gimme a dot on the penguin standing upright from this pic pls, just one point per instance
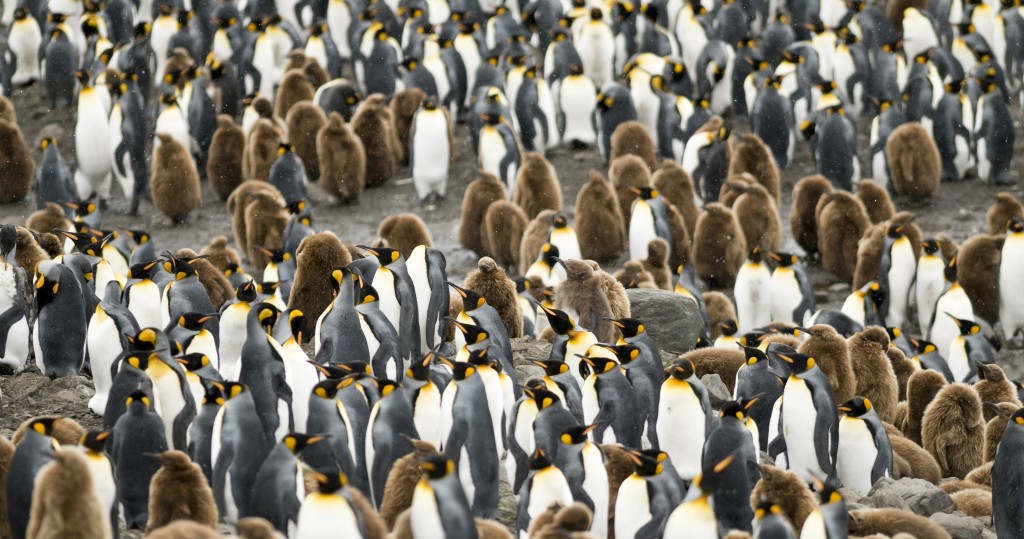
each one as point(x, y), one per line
point(995, 136)
point(35, 451)
point(888, 119)
point(332, 509)
point(61, 57)
point(288, 174)
point(1011, 309)
point(276, 494)
point(954, 302)
point(792, 297)
point(262, 369)
point(865, 453)
point(432, 139)
point(1007, 474)
point(929, 283)
point(92, 142)
point(609, 401)
point(545, 486)
point(439, 504)
point(58, 338)
point(684, 419)
point(14, 311)
point(238, 448)
point(835, 146)
point(24, 39)
point(137, 435)
point(731, 438)
point(753, 305)
point(649, 219)
point(428, 270)
point(398, 298)
point(646, 498)
point(614, 107)
point(388, 432)
point(771, 119)
point(94, 449)
point(809, 420)
point(583, 464)
point(498, 147)
point(756, 378)
point(896, 272)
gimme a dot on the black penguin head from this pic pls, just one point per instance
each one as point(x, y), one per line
point(84, 77)
point(798, 363)
point(470, 299)
point(922, 346)
point(738, 409)
point(930, 246)
point(784, 260)
point(966, 327)
point(474, 334)
point(43, 425)
point(624, 353)
point(267, 315)
point(950, 271)
point(479, 358)
point(539, 460)
point(461, 370)
point(855, 407)
point(46, 143)
point(1015, 225)
point(277, 256)
point(755, 254)
point(330, 481)
point(47, 278)
point(576, 434)
point(645, 193)
point(246, 292)
point(729, 328)
point(213, 393)
point(559, 221)
point(437, 467)
point(549, 254)
point(296, 322)
point(628, 327)
point(429, 103)
point(354, 367)
point(561, 323)
point(327, 389)
point(541, 396)
point(138, 400)
point(600, 364)
point(338, 276)
point(180, 268)
point(385, 387)
point(194, 361)
point(420, 370)
point(827, 493)
point(708, 480)
point(753, 354)
point(522, 284)
point(1017, 417)
point(646, 465)
point(233, 389)
point(766, 508)
point(195, 321)
point(296, 207)
point(95, 440)
point(552, 367)
point(138, 360)
point(682, 369)
point(297, 441)
point(894, 230)
point(8, 242)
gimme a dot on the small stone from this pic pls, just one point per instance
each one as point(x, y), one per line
point(718, 394)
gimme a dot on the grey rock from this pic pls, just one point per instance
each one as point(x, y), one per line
point(850, 495)
point(961, 526)
point(672, 320)
point(916, 495)
point(718, 394)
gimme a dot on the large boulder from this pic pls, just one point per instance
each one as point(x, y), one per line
point(718, 393)
point(672, 320)
point(916, 495)
point(961, 526)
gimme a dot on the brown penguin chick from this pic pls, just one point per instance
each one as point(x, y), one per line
point(869, 255)
point(781, 338)
point(534, 237)
point(7, 111)
point(174, 182)
point(304, 121)
point(842, 223)
point(29, 253)
point(502, 232)
point(316, 257)
point(733, 187)
point(993, 386)
point(6, 454)
point(402, 480)
point(537, 187)
point(998, 416)
point(902, 367)
point(876, 380)
point(184, 529)
point(404, 106)
point(558, 522)
point(256, 528)
point(789, 492)
point(900, 467)
point(581, 294)
point(180, 491)
point(676, 186)
point(981, 475)
point(632, 138)
point(832, 354)
point(975, 502)
point(889, 522)
point(491, 529)
point(802, 221)
point(1001, 211)
point(374, 125)
point(957, 485)
point(491, 282)
point(876, 201)
point(977, 269)
point(626, 173)
point(17, 172)
point(265, 137)
point(266, 217)
point(294, 87)
point(656, 263)
point(633, 275)
point(341, 158)
point(220, 254)
point(915, 165)
point(599, 225)
point(613, 290)
point(50, 244)
point(64, 505)
point(240, 199)
point(404, 232)
point(296, 60)
point(720, 309)
point(721, 361)
point(953, 430)
point(50, 217)
point(681, 244)
point(751, 155)
point(403, 526)
point(759, 218)
point(66, 431)
point(212, 278)
point(619, 466)
point(224, 161)
point(922, 388)
point(922, 465)
point(947, 246)
point(719, 246)
point(480, 194)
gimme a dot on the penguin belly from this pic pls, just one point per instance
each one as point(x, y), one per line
point(632, 507)
point(592, 406)
point(417, 268)
point(901, 277)
point(578, 344)
point(431, 153)
point(928, 285)
point(694, 520)
point(856, 456)
point(548, 486)
point(425, 512)
point(1011, 304)
point(495, 405)
point(104, 344)
point(641, 229)
point(466, 474)
point(958, 360)
point(753, 298)
point(577, 95)
point(427, 414)
point(596, 47)
point(167, 397)
point(372, 345)
point(232, 337)
point(798, 419)
point(144, 303)
point(944, 330)
point(681, 427)
point(785, 296)
point(595, 484)
point(854, 308)
point(25, 41)
point(102, 479)
point(92, 146)
point(384, 282)
point(568, 244)
point(326, 515)
point(492, 151)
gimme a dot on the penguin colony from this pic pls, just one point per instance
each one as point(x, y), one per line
point(297, 385)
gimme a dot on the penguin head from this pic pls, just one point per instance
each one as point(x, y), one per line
point(682, 369)
point(385, 255)
point(991, 372)
point(479, 358)
point(728, 327)
point(754, 256)
point(8, 243)
point(46, 143)
point(169, 99)
point(283, 148)
point(895, 230)
point(297, 441)
point(541, 396)
point(950, 270)
point(460, 370)
point(43, 425)
point(193, 361)
point(296, 322)
point(354, 367)
point(138, 360)
point(601, 365)
point(540, 459)
point(474, 334)
point(194, 321)
point(330, 481)
point(522, 285)
point(429, 103)
point(784, 260)
point(549, 254)
point(436, 467)
point(552, 367)
point(21, 13)
point(266, 314)
point(624, 353)
point(930, 246)
point(753, 354)
point(738, 409)
point(807, 128)
point(471, 300)
point(95, 440)
point(385, 387)
point(576, 434)
point(646, 193)
point(766, 508)
point(1015, 225)
point(828, 492)
point(138, 401)
point(328, 389)
point(855, 407)
point(232, 390)
point(922, 346)
point(628, 327)
point(1017, 417)
point(47, 277)
point(246, 292)
point(561, 323)
point(646, 465)
point(709, 478)
point(277, 256)
point(798, 363)
point(420, 370)
point(966, 327)
point(213, 393)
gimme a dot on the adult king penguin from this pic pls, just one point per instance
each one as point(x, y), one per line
point(809, 420)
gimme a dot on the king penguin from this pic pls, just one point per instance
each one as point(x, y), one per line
point(753, 305)
point(388, 432)
point(262, 370)
point(648, 220)
point(809, 420)
point(1007, 477)
point(609, 400)
point(397, 298)
point(583, 465)
point(954, 301)
point(792, 298)
point(896, 272)
point(865, 453)
point(545, 486)
point(238, 448)
point(138, 434)
point(684, 418)
point(1011, 308)
point(929, 283)
point(14, 311)
point(59, 335)
point(330, 510)
point(35, 451)
point(279, 489)
point(439, 504)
